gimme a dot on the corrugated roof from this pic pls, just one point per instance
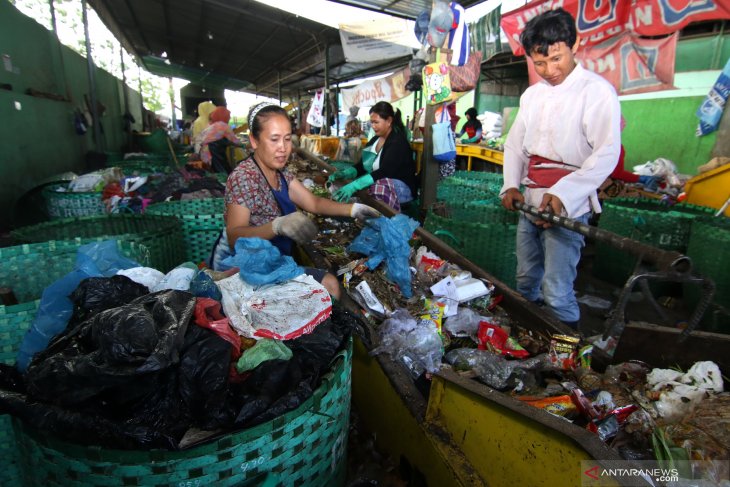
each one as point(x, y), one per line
point(241, 44)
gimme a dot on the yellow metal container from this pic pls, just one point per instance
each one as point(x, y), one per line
point(710, 189)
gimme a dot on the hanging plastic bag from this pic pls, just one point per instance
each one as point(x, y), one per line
point(444, 147)
point(282, 311)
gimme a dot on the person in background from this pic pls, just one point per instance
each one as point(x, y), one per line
point(215, 140)
point(263, 198)
point(387, 165)
point(562, 146)
point(447, 169)
point(204, 110)
point(472, 128)
point(353, 128)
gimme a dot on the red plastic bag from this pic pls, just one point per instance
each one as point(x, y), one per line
point(208, 315)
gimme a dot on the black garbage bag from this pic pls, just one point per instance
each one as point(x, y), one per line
point(117, 352)
point(204, 370)
point(276, 387)
point(96, 294)
point(132, 376)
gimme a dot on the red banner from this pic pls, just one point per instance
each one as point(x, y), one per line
point(600, 20)
point(631, 64)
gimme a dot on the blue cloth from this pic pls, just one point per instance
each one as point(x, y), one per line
point(547, 261)
point(260, 262)
point(386, 239)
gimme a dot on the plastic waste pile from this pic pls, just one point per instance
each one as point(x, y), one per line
point(123, 356)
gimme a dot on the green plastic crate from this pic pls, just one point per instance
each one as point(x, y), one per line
point(28, 270)
point(68, 204)
point(707, 248)
point(491, 246)
point(162, 235)
point(305, 447)
point(202, 223)
point(648, 221)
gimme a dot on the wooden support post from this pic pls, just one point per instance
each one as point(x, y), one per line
point(429, 165)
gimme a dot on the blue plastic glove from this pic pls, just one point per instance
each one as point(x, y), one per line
point(347, 173)
point(346, 192)
point(649, 182)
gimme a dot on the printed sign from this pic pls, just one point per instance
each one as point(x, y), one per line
point(376, 40)
point(368, 93)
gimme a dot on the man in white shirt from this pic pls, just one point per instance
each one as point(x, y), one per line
point(563, 144)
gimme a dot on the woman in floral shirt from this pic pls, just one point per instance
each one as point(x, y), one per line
point(262, 196)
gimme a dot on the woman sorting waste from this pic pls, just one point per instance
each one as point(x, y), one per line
point(262, 197)
point(387, 165)
point(472, 127)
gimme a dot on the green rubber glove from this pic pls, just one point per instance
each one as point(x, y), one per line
point(346, 192)
point(347, 173)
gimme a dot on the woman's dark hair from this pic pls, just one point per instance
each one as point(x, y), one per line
point(471, 113)
point(259, 114)
point(547, 29)
point(385, 111)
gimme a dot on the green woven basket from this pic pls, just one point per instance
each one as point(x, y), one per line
point(306, 446)
point(647, 221)
point(143, 167)
point(491, 246)
point(202, 222)
point(707, 248)
point(28, 270)
point(162, 235)
point(67, 204)
point(453, 192)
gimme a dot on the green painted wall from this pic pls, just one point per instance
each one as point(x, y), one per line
point(665, 128)
point(38, 139)
point(663, 123)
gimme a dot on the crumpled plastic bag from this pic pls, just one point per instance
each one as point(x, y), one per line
point(281, 311)
point(415, 343)
point(263, 351)
point(261, 262)
point(464, 324)
point(682, 392)
point(147, 276)
point(96, 294)
point(179, 278)
point(494, 370)
point(92, 260)
point(208, 315)
point(386, 239)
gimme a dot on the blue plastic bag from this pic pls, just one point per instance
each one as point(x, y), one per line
point(97, 259)
point(386, 239)
point(261, 263)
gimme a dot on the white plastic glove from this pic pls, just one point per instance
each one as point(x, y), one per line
point(296, 226)
point(364, 212)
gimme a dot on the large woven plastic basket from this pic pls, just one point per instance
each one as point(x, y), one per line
point(162, 235)
point(647, 221)
point(28, 270)
point(707, 248)
point(66, 204)
point(306, 447)
point(491, 246)
point(202, 222)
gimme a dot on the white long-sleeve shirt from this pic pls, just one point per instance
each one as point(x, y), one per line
point(576, 122)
